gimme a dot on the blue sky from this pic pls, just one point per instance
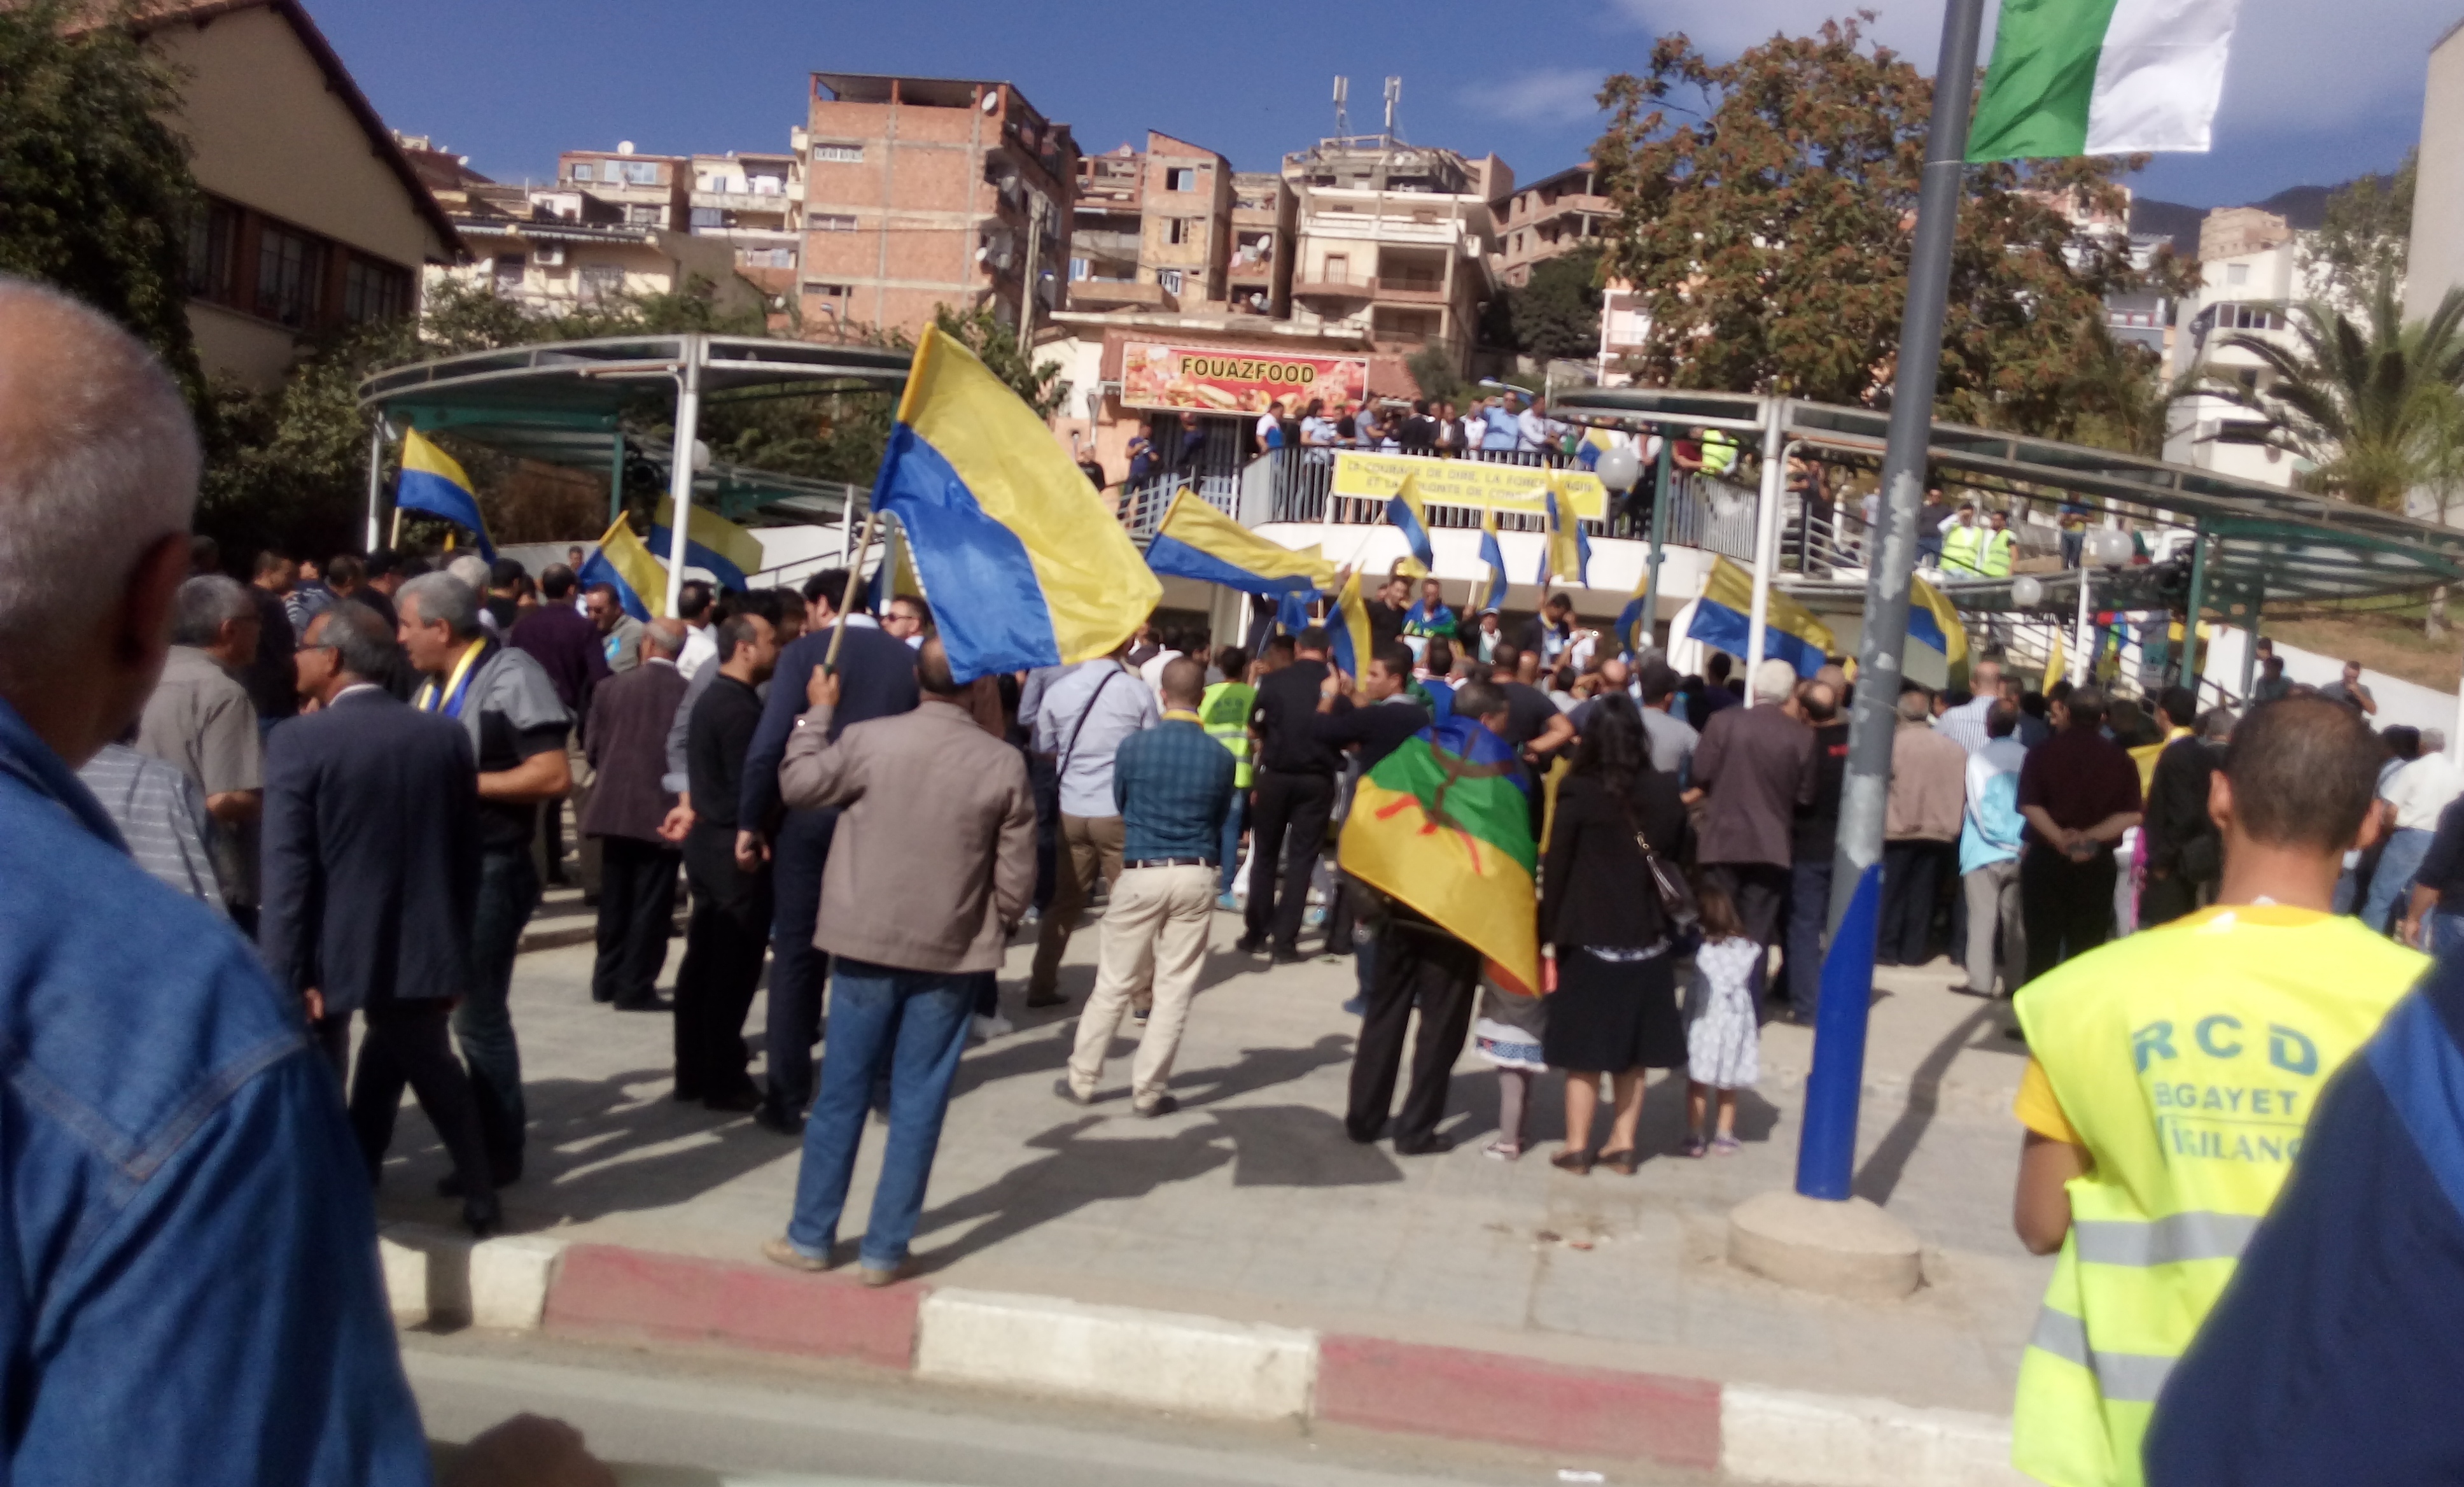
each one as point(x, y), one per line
point(2319, 90)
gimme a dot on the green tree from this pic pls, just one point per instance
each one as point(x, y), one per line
point(1557, 312)
point(2365, 237)
point(1768, 233)
point(2122, 400)
point(96, 195)
point(1432, 370)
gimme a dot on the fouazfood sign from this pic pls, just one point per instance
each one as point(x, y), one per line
point(1211, 380)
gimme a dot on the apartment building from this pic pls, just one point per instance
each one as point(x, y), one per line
point(1258, 280)
point(647, 191)
point(314, 217)
point(1152, 226)
point(558, 248)
point(926, 192)
point(1393, 241)
point(2437, 263)
point(2244, 291)
point(754, 200)
point(1548, 218)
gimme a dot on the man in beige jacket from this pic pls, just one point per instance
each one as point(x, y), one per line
point(1921, 830)
point(932, 866)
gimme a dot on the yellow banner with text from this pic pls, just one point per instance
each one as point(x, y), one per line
point(1467, 482)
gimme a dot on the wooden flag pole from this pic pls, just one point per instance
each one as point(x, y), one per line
point(847, 601)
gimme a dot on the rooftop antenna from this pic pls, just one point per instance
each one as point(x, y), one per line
point(1342, 116)
point(1394, 95)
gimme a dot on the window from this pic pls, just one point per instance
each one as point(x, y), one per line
point(510, 269)
point(1169, 279)
point(708, 217)
point(766, 258)
point(646, 217)
point(639, 172)
point(1339, 269)
point(1176, 229)
point(829, 299)
point(840, 154)
point(1078, 270)
point(1179, 178)
point(582, 170)
point(767, 186)
point(373, 291)
point(601, 282)
point(213, 239)
point(830, 222)
point(290, 276)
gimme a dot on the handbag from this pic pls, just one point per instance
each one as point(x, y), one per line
point(1668, 883)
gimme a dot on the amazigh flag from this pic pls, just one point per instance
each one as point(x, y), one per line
point(1444, 826)
point(2101, 77)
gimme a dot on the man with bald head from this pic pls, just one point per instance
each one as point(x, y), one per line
point(194, 1289)
point(1174, 786)
point(627, 742)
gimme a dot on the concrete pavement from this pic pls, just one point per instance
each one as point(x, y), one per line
point(1249, 1207)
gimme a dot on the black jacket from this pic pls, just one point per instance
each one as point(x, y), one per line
point(1595, 888)
point(371, 854)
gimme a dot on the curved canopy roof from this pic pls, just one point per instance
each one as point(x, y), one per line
point(2265, 539)
point(560, 402)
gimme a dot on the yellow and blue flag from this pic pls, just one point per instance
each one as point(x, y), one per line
point(623, 564)
point(1632, 625)
point(433, 481)
point(894, 577)
point(1195, 540)
point(1723, 620)
point(1934, 623)
point(713, 544)
point(1492, 593)
point(1348, 626)
point(1404, 509)
point(1030, 565)
point(1568, 553)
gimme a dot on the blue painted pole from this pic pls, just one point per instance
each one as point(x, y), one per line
point(1826, 1153)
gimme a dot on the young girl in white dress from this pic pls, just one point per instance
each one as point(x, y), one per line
point(1723, 1045)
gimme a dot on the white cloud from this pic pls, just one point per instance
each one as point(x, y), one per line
point(1548, 95)
point(2296, 64)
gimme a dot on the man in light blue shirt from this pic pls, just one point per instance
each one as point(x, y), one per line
point(1503, 431)
point(1080, 719)
point(1989, 854)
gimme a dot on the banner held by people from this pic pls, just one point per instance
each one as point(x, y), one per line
point(1031, 566)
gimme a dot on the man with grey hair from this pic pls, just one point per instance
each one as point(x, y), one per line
point(371, 870)
point(1754, 768)
point(474, 571)
point(196, 1293)
point(200, 721)
point(516, 725)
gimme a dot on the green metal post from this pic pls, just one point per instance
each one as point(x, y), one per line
point(1658, 537)
point(616, 481)
point(2198, 599)
point(2250, 651)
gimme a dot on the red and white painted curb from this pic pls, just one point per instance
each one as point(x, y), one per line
point(1194, 1364)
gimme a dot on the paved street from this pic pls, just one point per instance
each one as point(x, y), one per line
point(680, 1421)
point(1251, 1204)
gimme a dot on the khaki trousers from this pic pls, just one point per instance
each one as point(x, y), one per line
point(1089, 846)
point(1155, 932)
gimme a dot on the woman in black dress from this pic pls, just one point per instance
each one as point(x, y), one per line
point(1614, 1009)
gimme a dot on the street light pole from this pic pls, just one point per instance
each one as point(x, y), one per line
point(1826, 1154)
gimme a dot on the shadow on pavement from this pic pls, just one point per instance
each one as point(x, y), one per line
point(1075, 1173)
point(1888, 1161)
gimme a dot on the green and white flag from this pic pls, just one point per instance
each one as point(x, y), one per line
point(2101, 77)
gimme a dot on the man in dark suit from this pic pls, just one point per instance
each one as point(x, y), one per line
point(626, 739)
point(371, 873)
point(876, 679)
point(732, 906)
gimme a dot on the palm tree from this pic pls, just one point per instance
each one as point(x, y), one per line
point(2367, 406)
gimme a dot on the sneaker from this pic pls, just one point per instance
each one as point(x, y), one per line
point(1249, 944)
point(1313, 918)
point(995, 1026)
point(1138, 1014)
point(876, 1277)
point(1502, 1151)
point(1357, 1006)
point(1693, 1147)
point(1724, 1146)
point(1229, 905)
point(780, 1251)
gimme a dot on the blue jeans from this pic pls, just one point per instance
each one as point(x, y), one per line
point(1809, 904)
point(2391, 885)
point(1235, 817)
point(2442, 933)
point(910, 1025)
point(483, 1025)
point(793, 1023)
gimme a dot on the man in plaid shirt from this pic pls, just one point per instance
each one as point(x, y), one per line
point(1174, 784)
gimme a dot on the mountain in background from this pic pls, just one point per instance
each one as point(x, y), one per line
point(2303, 207)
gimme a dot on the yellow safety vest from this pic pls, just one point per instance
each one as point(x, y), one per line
point(1999, 547)
point(1225, 713)
point(1962, 547)
point(2188, 1058)
point(1719, 452)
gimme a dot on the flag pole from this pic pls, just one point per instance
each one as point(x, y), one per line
point(1826, 1152)
point(846, 600)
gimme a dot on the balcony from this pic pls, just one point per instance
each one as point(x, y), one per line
point(1108, 294)
point(1321, 284)
point(1409, 289)
point(769, 202)
point(1260, 272)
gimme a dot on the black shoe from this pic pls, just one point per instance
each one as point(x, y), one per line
point(744, 1101)
point(483, 1219)
point(1037, 1000)
point(1249, 944)
point(1291, 957)
point(1430, 1146)
point(1163, 1105)
point(1360, 1138)
point(770, 1117)
point(603, 998)
point(652, 1003)
point(686, 1094)
point(1061, 1087)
